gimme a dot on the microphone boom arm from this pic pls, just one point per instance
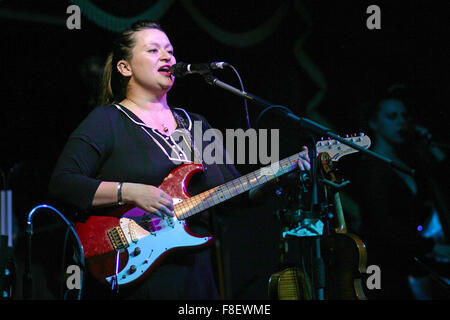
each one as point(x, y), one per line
point(306, 123)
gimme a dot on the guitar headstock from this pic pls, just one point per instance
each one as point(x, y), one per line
point(336, 149)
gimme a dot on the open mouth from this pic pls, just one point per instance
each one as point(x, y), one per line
point(165, 70)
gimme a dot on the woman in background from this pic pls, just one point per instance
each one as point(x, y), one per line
point(396, 207)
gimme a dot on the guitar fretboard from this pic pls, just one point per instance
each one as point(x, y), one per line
point(226, 191)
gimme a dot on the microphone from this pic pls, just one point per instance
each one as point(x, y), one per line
point(421, 131)
point(182, 69)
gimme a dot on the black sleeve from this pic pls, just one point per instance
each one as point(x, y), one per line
point(73, 180)
point(389, 217)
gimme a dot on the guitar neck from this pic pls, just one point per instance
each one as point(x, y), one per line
point(233, 188)
point(254, 179)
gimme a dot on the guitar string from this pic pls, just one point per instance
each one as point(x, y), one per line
point(193, 203)
point(234, 190)
point(286, 165)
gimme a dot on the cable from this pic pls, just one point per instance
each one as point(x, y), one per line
point(27, 280)
point(243, 90)
point(272, 107)
point(63, 260)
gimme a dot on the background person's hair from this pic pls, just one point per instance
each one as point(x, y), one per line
point(369, 109)
point(113, 84)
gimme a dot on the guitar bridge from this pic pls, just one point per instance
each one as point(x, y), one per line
point(117, 238)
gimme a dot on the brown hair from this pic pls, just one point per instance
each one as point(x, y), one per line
point(114, 85)
point(368, 110)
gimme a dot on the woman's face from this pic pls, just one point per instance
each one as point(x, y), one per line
point(391, 121)
point(151, 60)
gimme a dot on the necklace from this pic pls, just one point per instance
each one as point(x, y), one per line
point(163, 125)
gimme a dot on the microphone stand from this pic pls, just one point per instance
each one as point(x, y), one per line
point(316, 260)
point(305, 123)
point(318, 265)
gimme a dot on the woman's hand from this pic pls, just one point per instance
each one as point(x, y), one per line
point(259, 193)
point(148, 198)
point(304, 163)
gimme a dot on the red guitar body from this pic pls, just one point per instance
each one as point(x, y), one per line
point(128, 244)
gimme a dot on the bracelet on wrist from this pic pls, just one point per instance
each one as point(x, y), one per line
point(119, 194)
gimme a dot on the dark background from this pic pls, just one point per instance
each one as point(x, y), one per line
point(46, 89)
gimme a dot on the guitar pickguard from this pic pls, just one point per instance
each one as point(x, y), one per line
point(150, 239)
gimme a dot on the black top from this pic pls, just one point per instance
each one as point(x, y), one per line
point(391, 213)
point(391, 216)
point(113, 144)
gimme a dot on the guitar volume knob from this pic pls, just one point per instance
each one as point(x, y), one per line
point(136, 251)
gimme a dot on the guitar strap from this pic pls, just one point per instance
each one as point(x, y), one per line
point(179, 146)
point(185, 122)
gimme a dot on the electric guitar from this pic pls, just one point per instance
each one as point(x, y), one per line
point(127, 245)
